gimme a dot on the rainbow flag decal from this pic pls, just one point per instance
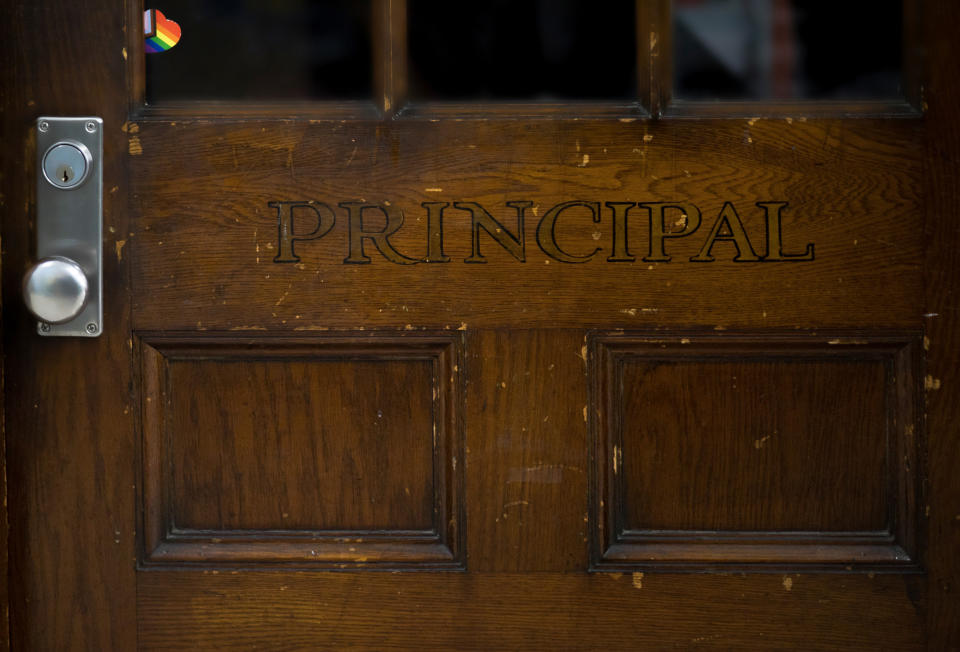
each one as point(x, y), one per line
point(161, 34)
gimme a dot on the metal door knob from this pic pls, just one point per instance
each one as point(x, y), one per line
point(55, 290)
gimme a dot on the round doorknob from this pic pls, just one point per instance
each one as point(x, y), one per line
point(55, 290)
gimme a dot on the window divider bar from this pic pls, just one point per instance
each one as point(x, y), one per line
point(654, 55)
point(390, 56)
point(912, 57)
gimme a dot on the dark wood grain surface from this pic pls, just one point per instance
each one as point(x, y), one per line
point(853, 188)
point(259, 373)
point(807, 436)
point(942, 318)
point(530, 611)
point(69, 405)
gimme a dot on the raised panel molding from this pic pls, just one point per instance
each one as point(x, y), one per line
point(364, 475)
point(803, 453)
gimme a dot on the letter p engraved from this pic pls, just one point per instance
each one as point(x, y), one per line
point(287, 233)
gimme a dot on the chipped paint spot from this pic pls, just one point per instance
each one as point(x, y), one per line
point(926, 343)
point(617, 457)
point(931, 383)
point(119, 246)
point(758, 443)
point(752, 121)
point(629, 311)
point(248, 328)
point(638, 580)
point(653, 40)
point(628, 119)
point(614, 576)
point(123, 51)
point(585, 161)
point(584, 413)
point(583, 353)
point(788, 583)
point(685, 340)
point(135, 148)
point(433, 189)
point(647, 138)
point(462, 326)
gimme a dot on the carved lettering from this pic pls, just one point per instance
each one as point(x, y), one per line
point(734, 232)
point(620, 248)
point(285, 226)
point(380, 239)
point(302, 221)
point(435, 232)
point(481, 219)
point(689, 219)
point(547, 231)
point(772, 210)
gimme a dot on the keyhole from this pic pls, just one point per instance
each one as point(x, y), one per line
point(65, 173)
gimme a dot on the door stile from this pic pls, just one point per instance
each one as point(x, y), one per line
point(942, 320)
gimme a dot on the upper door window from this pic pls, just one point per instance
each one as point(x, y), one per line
point(530, 50)
point(787, 49)
point(626, 57)
point(259, 50)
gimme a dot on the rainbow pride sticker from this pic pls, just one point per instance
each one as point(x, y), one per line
point(161, 34)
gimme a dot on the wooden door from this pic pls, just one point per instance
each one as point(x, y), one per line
point(384, 372)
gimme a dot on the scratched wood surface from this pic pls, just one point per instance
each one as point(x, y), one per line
point(942, 308)
point(68, 404)
point(191, 238)
point(532, 611)
point(671, 478)
point(853, 188)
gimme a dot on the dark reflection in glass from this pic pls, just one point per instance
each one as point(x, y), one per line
point(787, 49)
point(521, 50)
point(264, 50)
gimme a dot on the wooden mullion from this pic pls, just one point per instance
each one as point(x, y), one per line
point(654, 55)
point(390, 55)
point(912, 49)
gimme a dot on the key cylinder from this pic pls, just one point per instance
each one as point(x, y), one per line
point(65, 164)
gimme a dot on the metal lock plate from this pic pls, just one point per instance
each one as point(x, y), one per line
point(70, 210)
